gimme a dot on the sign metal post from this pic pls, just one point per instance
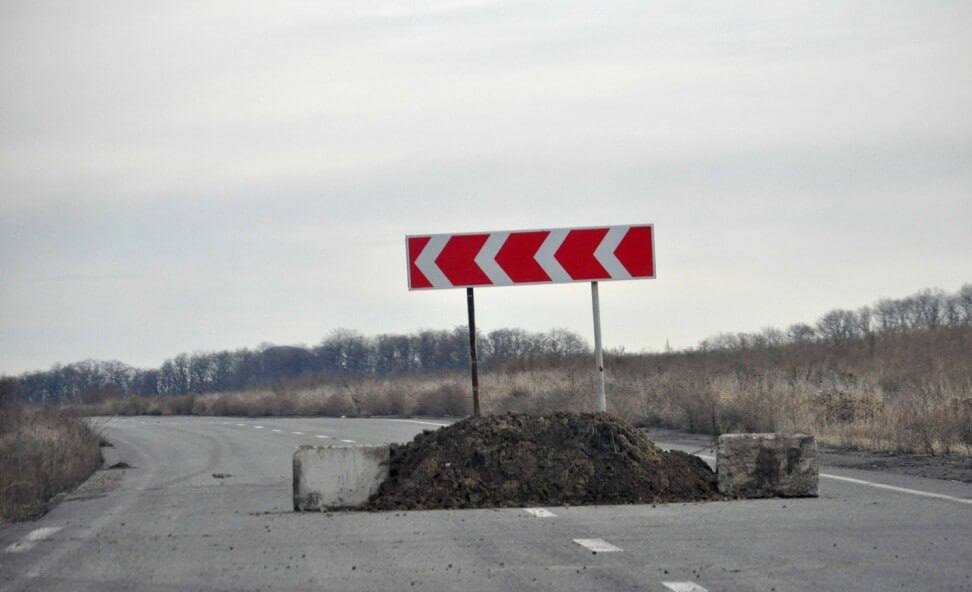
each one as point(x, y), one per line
point(473, 362)
point(598, 352)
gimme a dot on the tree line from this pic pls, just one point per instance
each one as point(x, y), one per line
point(346, 354)
point(927, 310)
point(343, 354)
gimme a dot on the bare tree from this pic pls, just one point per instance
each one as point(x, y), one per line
point(801, 333)
point(838, 326)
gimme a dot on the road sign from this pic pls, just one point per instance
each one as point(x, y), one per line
point(552, 256)
point(514, 257)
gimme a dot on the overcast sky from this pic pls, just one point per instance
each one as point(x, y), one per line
point(179, 176)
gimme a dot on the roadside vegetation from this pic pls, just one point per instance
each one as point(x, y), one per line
point(43, 452)
point(893, 376)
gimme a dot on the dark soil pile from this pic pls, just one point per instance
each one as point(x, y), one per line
point(522, 460)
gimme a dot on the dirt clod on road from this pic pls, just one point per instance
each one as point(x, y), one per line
point(522, 460)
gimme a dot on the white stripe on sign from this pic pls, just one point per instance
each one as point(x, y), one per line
point(597, 545)
point(605, 253)
point(684, 587)
point(486, 259)
point(545, 255)
point(942, 496)
point(540, 512)
point(31, 539)
point(426, 261)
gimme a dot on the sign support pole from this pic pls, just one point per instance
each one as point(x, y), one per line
point(473, 362)
point(598, 352)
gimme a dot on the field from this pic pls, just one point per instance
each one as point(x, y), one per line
point(906, 392)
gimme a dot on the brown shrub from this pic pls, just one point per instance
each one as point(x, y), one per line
point(337, 405)
point(448, 400)
point(10, 408)
point(385, 402)
point(48, 452)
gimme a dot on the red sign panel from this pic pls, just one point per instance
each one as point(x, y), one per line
point(510, 257)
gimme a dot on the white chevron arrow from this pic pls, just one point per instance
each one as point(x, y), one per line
point(604, 253)
point(545, 255)
point(426, 261)
point(486, 259)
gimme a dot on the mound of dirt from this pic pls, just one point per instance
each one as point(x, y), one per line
point(522, 460)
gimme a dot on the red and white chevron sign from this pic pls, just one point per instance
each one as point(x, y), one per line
point(513, 257)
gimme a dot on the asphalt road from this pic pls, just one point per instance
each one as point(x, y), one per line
point(207, 506)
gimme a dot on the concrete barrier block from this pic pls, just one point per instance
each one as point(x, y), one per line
point(767, 465)
point(337, 476)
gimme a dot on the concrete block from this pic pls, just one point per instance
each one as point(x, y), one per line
point(337, 476)
point(767, 465)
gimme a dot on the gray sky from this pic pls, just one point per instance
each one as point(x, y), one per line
point(194, 175)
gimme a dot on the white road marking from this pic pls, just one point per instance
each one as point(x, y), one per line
point(258, 427)
point(31, 539)
point(684, 587)
point(297, 433)
point(323, 437)
point(597, 545)
point(348, 441)
point(942, 496)
point(241, 424)
point(540, 512)
point(950, 498)
point(276, 430)
point(435, 423)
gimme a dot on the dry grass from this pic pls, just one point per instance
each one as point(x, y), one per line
point(42, 453)
point(905, 393)
point(851, 413)
point(444, 396)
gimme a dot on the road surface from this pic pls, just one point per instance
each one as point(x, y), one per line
point(207, 506)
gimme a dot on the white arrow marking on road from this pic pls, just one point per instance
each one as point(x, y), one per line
point(540, 512)
point(684, 587)
point(486, 259)
point(31, 539)
point(604, 253)
point(597, 545)
point(426, 261)
point(545, 255)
